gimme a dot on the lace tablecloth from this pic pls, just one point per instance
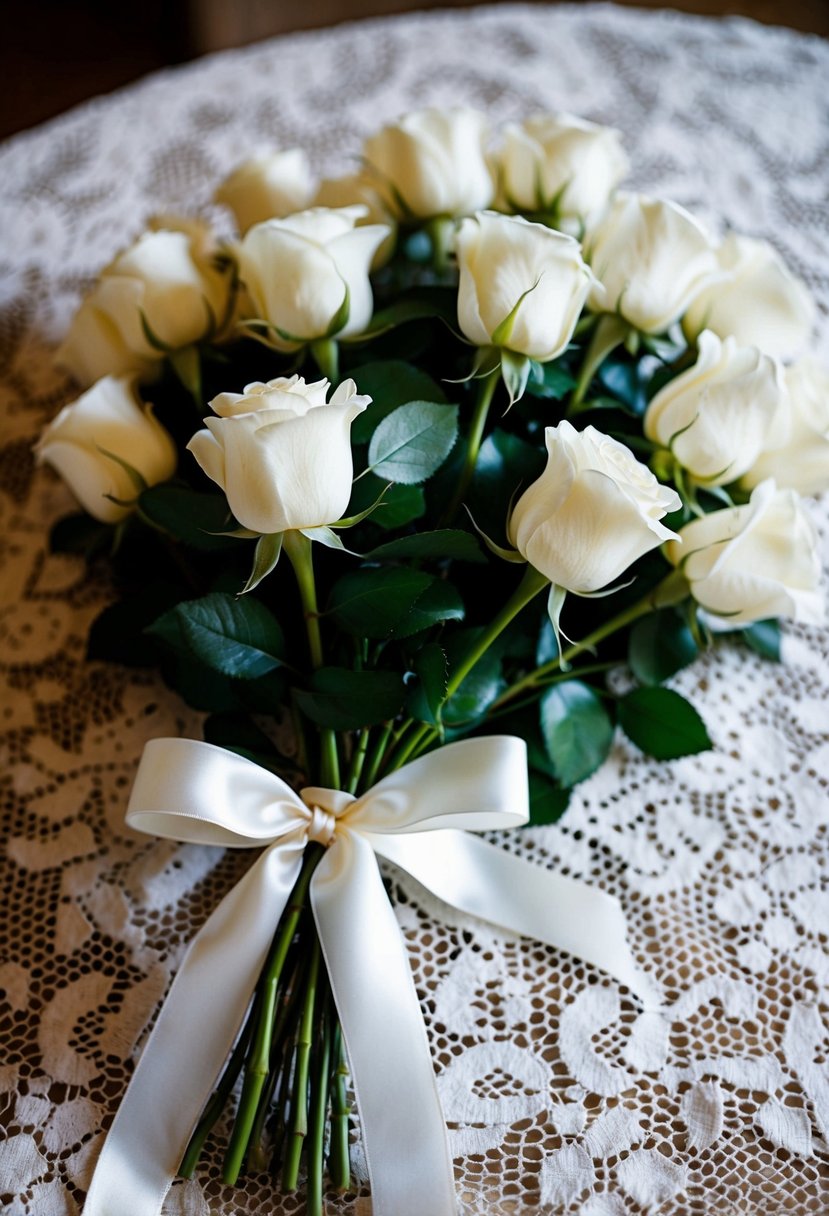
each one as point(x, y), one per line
point(560, 1095)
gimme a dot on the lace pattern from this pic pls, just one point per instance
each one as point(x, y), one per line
point(561, 1096)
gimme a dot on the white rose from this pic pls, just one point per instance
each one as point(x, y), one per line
point(802, 461)
point(718, 416)
point(307, 275)
point(432, 163)
point(749, 563)
point(272, 185)
point(280, 453)
point(166, 279)
point(593, 511)
point(557, 161)
point(107, 421)
point(758, 301)
point(652, 258)
point(358, 189)
point(522, 286)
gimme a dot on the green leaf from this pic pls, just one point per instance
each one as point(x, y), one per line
point(445, 542)
point(660, 645)
point(576, 728)
point(189, 516)
point(341, 699)
point(548, 801)
point(662, 723)
point(549, 381)
point(400, 505)
point(480, 688)
point(764, 637)
point(412, 442)
point(390, 384)
point(236, 637)
point(425, 697)
point(392, 603)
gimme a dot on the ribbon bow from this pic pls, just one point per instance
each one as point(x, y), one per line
point(195, 792)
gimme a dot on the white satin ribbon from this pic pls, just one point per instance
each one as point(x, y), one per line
point(194, 792)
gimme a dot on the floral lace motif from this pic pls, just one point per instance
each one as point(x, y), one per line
point(560, 1095)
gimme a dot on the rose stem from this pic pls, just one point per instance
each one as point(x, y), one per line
point(282, 1101)
point(271, 972)
point(672, 590)
point(377, 756)
point(298, 549)
point(257, 1158)
point(527, 589)
point(486, 389)
point(358, 760)
point(609, 333)
point(299, 1126)
point(257, 1068)
point(319, 1109)
point(217, 1101)
point(340, 1110)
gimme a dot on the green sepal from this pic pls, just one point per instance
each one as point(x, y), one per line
point(265, 557)
point(135, 477)
point(515, 372)
point(152, 337)
point(502, 332)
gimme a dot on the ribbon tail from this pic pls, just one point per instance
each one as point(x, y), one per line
point(193, 1034)
point(404, 1133)
point(518, 895)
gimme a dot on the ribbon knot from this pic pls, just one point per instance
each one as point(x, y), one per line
point(189, 791)
point(323, 826)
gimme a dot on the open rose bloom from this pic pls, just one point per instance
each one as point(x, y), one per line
point(281, 452)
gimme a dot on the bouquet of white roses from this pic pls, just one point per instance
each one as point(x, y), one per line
point(394, 479)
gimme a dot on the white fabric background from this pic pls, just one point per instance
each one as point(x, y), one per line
point(560, 1097)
